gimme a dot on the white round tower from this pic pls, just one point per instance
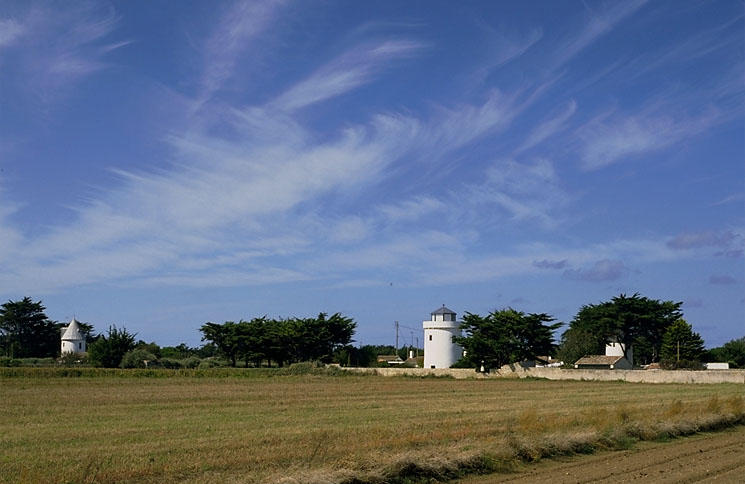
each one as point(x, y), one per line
point(439, 349)
point(73, 340)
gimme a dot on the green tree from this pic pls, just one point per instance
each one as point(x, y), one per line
point(634, 321)
point(25, 331)
point(732, 352)
point(505, 336)
point(681, 346)
point(576, 343)
point(151, 347)
point(225, 337)
point(318, 338)
point(108, 350)
point(178, 352)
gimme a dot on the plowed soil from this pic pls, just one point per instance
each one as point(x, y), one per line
point(715, 457)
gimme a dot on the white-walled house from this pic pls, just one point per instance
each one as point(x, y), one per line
point(73, 339)
point(614, 359)
point(614, 348)
point(439, 349)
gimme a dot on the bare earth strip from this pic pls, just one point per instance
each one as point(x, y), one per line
point(712, 457)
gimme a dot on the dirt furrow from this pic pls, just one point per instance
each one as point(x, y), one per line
point(716, 457)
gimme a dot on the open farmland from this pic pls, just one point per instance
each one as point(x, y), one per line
point(313, 428)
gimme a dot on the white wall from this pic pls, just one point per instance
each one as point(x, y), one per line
point(439, 349)
point(73, 346)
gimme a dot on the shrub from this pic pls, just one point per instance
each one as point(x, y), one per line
point(192, 362)
point(170, 363)
point(35, 362)
point(136, 359)
point(8, 362)
point(210, 363)
point(73, 359)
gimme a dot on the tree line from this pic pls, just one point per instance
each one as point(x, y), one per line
point(654, 329)
point(281, 341)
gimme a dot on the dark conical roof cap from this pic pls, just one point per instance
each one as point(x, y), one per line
point(443, 310)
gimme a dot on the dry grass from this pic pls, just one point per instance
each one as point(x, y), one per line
point(328, 429)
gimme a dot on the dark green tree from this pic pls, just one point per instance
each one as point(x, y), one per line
point(576, 343)
point(505, 336)
point(108, 350)
point(178, 352)
point(732, 352)
point(318, 338)
point(151, 347)
point(681, 346)
point(634, 321)
point(225, 337)
point(25, 331)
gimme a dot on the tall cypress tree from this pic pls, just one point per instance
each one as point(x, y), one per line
point(681, 346)
point(25, 331)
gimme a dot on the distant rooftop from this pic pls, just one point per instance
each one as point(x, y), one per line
point(443, 310)
point(598, 360)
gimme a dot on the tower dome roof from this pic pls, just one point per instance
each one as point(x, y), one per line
point(443, 310)
point(73, 331)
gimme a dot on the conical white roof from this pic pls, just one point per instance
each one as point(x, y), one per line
point(73, 331)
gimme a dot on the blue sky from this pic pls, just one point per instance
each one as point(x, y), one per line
point(164, 164)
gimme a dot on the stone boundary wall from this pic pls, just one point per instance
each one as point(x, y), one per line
point(516, 371)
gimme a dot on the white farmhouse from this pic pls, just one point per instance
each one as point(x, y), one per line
point(73, 340)
point(439, 349)
point(614, 359)
point(614, 348)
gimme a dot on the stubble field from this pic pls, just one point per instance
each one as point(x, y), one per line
point(315, 428)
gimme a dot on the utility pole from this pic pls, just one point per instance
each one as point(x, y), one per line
point(396, 336)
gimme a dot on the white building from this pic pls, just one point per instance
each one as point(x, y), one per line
point(614, 359)
point(439, 349)
point(73, 340)
point(614, 348)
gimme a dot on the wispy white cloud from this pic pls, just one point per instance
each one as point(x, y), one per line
point(11, 241)
point(411, 209)
point(237, 191)
point(241, 23)
point(690, 50)
point(524, 190)
point(59, 47)
point(355, 67)
point(550, 127)
point(504, 47)
point(348, 230)
point(10, 31)
point(612, 138)
point(598, 24)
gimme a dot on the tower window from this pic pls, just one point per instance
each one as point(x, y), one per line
point(430, 337)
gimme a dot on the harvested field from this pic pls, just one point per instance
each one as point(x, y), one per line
point(313, 428)
point(713, 457)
